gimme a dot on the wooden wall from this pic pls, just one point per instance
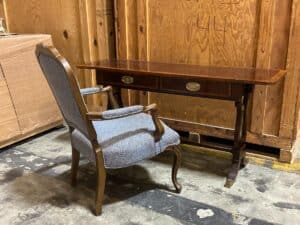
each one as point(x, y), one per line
point(246, 33)
point(2, 10)
point(74, 25)
point(254, 33)
point(57, 17)
point(291, 101)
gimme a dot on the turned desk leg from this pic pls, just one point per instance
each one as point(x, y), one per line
point(238, 149)
point(117, 98)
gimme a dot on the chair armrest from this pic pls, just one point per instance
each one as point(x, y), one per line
point(122, 112)
point(159, 128)
point(94, 90)
point(128, 111)
point(90, 90)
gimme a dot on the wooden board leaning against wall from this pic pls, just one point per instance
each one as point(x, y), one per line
point(81, 30)
point(242, 33)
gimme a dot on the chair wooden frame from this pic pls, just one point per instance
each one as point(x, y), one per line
point(88, 117)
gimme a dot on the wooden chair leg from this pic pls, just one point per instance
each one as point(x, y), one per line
point(75, 165)
point(101, 178)
point(176, 164)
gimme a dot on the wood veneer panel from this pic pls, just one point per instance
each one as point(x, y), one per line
point(9, 126)
point(31, 96)
point(60, 18)
point(203, 33)
point(291, 101)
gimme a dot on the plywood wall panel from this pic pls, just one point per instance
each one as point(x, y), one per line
point(205, 33)
point(290, 107)
point(271, 53)
point(252, 33)
point(126, 39)
point(105, 29)
point(8, 119)
point(2, 14)
point(33, 101)
point(59, 18)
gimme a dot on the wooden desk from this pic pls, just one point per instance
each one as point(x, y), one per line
point(234, 84)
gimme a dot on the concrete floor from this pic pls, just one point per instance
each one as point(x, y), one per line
point(35, 189)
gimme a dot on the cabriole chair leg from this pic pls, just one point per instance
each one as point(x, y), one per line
point(75, 165)
point(176, 150)
point(101, 178)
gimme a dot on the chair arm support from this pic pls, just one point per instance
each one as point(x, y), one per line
point(95, 90)
point(129, 111)
point(159, 128)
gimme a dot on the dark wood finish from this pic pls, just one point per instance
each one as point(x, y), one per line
point(208, 88)
point(234, 84)
point(101, 180)
point(238, 150)
point(117, 79)
point(176, 150)
point(224, 74)
point(75, 165)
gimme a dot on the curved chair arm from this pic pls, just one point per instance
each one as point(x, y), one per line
point(90, 90)
point(128, 111)
point(95, 90)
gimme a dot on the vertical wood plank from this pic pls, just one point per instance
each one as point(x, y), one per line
point(143, 37)
point(265, 31)
point(142, 29)
point(3, 13)
point(279, 49)
point(89, 48)
point(105, 33)
point(121, 26)
point(290, 108)
point(105, 29)
point(132, 43)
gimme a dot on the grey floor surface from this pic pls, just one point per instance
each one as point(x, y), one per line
point(35, 189)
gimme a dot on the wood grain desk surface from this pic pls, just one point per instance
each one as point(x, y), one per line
point(224, 74)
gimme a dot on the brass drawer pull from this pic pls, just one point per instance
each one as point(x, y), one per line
point(193, 86)
point(127, 79)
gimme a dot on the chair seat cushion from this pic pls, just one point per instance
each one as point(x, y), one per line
point(125, 141)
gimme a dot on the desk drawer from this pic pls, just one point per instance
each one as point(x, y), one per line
point(196, 87)
point(129, 80)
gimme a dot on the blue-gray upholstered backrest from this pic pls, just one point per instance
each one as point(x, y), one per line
point(63, 91)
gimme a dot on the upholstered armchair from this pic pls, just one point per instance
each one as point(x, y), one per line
point(112, 139)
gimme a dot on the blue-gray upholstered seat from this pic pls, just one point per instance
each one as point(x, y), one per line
point(125, 141)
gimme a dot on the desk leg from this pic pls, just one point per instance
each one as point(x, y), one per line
point(238, 150)
point(117, 98)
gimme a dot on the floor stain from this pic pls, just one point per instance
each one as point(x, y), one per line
point(286, 205)
point(12, 175)
point(261, 185)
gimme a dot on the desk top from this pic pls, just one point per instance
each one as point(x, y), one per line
point(224, 74)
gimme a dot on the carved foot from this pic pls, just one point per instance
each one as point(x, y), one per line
point(233, 172)
point(244, 163)
point(228, 183)
point(176, 164)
